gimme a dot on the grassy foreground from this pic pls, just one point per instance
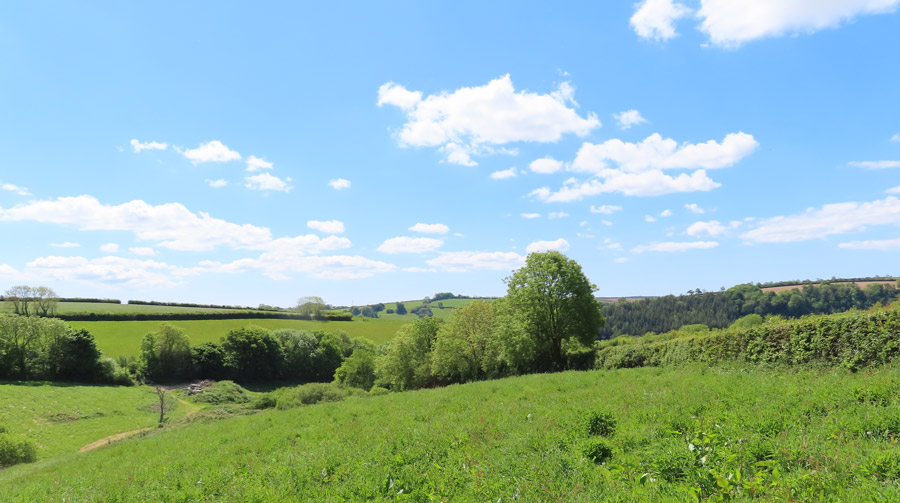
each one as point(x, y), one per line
point(123, 338)
point(746, 433)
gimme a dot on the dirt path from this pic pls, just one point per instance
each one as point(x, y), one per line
point(110, 439)
point(191, 410)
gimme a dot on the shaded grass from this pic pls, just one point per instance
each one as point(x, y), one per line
point(748, 433)
point(123, 338)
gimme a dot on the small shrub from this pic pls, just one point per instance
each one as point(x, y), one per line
point(264, 402)
point(223, 392)
point(596, 450)
point(14, 451)
point(378, 390)
point(600, 423)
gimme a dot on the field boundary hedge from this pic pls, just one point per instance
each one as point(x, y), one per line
point(197, 316)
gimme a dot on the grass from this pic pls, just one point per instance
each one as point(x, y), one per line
point(449, 306)
point(714, 433)
point(62, 418)
point(106, 308)
point(123, 338)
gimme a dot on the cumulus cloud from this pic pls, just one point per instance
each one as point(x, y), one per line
point(430, 228)
point(649, 218)
point(651, 183)
point(730, 23)
point(339, 183)
point(605, 209)
point(557, 214)
point(22, 191)
point(150, 145)
point(67, 244)
point(694, 208)
point(265, 181)
point(109, 248)
point(531, 216)
point(875, 164)
point(672, 246)
point(893, 190)
point(503, 174)
point(480, 120)
point(560, 245)
point(625, 120)
point(171, 226)
point(464, 261)
point(406, 244)
point(666, 213)
point(328, 226)
point(216, 184)
point(655, 19)
point(545, 166)
point(817, 223)
point(108, 271)
point(711, 228)
point(143, 251)
point(883, 245)
point(256, 164)
point(214, 151)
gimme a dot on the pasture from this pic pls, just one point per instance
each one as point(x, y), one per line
point(123, 338)
point(650, 434)
point(108, 308)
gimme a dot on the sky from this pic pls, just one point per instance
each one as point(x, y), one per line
point(254, 153)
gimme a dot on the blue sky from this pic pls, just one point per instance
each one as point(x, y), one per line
point(226, 153)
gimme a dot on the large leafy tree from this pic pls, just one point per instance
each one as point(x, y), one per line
point(554, 301)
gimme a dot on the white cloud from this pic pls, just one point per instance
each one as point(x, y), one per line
point(531, 216)
point(339, 183)
point(430, 228)
point(557, 214)
point(896, 137)
point(467, 261)
point(693, 208)
point(606, 209)
point(265, 181)
point(560, 245)
point(893, 190)
point(883, 245)
point(503, 174)
point(730, 23)
point(609, 244)
point(711, 228)
point(545, 166)
point(216, 184)
point(627, 119)
point(671, 246)
point(150, 145)
point(649, 218)
point(256, 164)
point(839, 218)
point(406, 244)
point(67, 244)
point(652, 183)
point(875, 164)
point(606, 223)
point(22, 191)
point(476, 120)
point(109, 248)
point(214, 151)
point(328, 226)
point(666, 213)
point(621, 260)
point(418, 269)
point(656, 18)
point(143, 251)
point(397, 95)
point(277, 265)
point(108, 271)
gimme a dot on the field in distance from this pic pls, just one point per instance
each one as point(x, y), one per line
point(123, 338)
point(110, 308)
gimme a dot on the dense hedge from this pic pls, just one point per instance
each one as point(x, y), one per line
point(852, 339)
point(189, 304)
point(238, 315)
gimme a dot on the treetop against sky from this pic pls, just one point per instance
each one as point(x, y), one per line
point(227, 153)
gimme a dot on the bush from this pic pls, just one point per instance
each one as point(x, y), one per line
point(112, 373)
point(223, 392)
point(308, 394)
point(378, 390)
point(263, 402)
point(600, 423)
point(596, 450)
point(14, 451)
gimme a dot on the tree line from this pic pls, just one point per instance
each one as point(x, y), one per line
point(721, 309)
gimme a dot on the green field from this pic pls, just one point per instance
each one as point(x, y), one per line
point(62, 418)
point(123, 338)
point(717, 433)
point(449, 306)
point(106, 308)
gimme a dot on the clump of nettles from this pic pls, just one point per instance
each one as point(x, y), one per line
point(596, 450)
point(600, 423)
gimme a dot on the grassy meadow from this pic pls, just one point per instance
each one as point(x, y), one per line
point(123, 338)
point(108, 308)
point(662, 434)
